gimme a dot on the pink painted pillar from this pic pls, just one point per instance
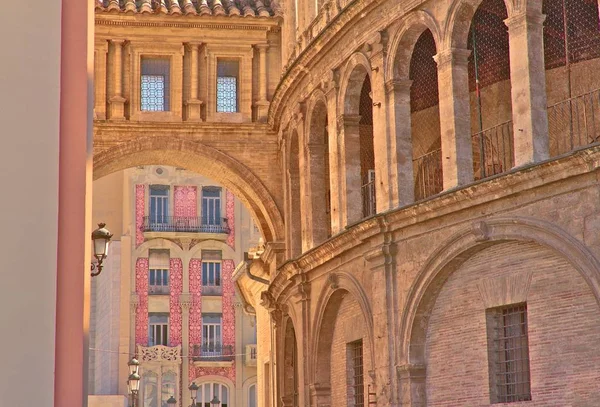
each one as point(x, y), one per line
point(140, 199)
point(196, 308)
point(141, 288)
point(74, 205)
point(175, 289)
point(230, 215)
point(186, 201)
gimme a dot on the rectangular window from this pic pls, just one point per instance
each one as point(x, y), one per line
point(158, 329)
point(211, 206)
point(212, 344)
point(227, 84)
point(154, 84)
point(159, 206)
point(356, 390)
point(158, 275)
point(508, 354)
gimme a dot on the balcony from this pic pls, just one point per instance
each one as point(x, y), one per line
point(185, 226)
point(212, 290)
point(250, 355)
point(158, 290)
point(213, 355)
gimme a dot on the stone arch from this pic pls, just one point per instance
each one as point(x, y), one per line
point(462, 246)
point(357, 69)
point(460, 14)
point(318, 216)
point(330, 298)
point(204, 160)
point(403, 40)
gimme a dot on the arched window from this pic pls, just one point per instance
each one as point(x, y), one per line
point(150, 389)
point(168, 387)
point(208, 391)
point(252, 401)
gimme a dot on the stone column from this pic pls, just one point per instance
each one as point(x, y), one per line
point(331, 93)
point(117, 101)
point(412, 385)
point(455, 117)
point(101, 50)
point(402, 183)
point(320, 396)
point(382, 144)
point(315, 194)
point(349, 169)
point(528, 87)
point(262, 105)
point(193, 104)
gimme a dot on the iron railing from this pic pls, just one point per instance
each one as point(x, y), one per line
point(574, 122)
point(185, 224)
point(493, 150)
point(212, 352)
point(368, 198)
point(428, 174)
point(214, 290)
point(158, 289)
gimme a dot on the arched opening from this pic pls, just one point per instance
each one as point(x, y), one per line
point(290, 366)
point(490, 88)
point(294, 222)
point(214, 391)
point(320, 189)
point(367, 156)
point(425, 118)
point(343, 353)
point(572, 62)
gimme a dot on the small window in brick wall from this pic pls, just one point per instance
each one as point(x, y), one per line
point(508, 354)
point(355, 377)
point(227, 86)
point(154, 84)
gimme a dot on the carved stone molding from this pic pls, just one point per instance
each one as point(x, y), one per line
point(160, 353)
point(134, 302)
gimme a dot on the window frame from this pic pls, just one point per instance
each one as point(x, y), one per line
point(164, 329)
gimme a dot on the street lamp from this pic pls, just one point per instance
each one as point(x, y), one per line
point(215, 401)
point(171, 401)
point(193, 392)
point(133, 383)
point(100, 238)
point(134, 366)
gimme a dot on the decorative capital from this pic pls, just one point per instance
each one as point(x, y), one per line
point(481, 231)
point(452, 57)
point(333, 281)
point(267, 300)
point(186, 301)
point(192, 46)
point(262, 47)
point(134, 302)
point(525, 19)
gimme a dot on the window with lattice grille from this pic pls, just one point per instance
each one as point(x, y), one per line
point(154, 84)
point(356, 388)
point(227, 86)
point(508, 354)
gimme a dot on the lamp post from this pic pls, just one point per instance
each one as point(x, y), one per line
point(133, 383)
point(215, 401)
point(171, 402)
point(100, 238)
point(193, 392)
point(134, 366)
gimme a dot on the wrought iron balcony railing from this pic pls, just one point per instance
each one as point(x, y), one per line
point(158, 289)
point(212, 353)
point(185, 224)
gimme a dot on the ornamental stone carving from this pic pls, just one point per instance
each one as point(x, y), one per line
point(160, 353)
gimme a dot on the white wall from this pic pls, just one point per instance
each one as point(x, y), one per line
point(29, 132)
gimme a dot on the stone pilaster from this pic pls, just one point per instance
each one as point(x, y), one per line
point(262, 104)
point(320, 396)
point(349, 169)
point(528, 88)
point(100, 54)
point(193, 105)
point(455, 117)
point(412, 385)
point(402, 183)
point(331, 93)
point(117, 101)
point(383, 269)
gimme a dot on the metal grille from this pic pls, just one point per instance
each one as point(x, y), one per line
point(489, 67)
point(367, 157)
point(511, 348)
point(227, 94)
point(425, 113)
point(154, 87)
point(358, 388)
point(571, 36)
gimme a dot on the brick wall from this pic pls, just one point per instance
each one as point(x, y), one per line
point(349, 327)
point(564, 326)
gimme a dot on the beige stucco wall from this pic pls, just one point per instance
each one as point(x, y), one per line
point(29, 176)
point(107, 401)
